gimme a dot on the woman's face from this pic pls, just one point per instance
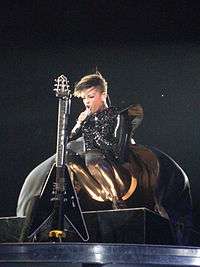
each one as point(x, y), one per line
point(93, 99)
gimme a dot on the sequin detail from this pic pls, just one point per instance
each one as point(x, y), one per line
point(98, 131)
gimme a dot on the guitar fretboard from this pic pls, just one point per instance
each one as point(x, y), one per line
point(61, 133)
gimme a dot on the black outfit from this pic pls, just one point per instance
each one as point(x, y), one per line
point(98, 131)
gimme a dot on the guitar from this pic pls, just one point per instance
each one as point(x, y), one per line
point(62, 206)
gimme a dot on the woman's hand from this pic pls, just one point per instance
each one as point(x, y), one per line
point(80, 119)
point(83, 115)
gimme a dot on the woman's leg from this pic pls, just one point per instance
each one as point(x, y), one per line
point(112, 184)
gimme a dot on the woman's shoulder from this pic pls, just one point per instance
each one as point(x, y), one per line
point(107, 114)
point(110, 111)
point(113, 109)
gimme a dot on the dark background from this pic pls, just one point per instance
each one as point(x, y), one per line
point(149, 52)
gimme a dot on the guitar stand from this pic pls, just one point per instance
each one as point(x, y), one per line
point(43, 216)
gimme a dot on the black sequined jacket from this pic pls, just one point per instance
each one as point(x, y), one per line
point(107, 131)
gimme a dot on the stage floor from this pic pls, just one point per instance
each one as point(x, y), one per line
point(96, 254)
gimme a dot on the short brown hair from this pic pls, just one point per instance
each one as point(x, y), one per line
point(88, 81)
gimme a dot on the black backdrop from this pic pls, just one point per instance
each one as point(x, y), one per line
point(149, 52)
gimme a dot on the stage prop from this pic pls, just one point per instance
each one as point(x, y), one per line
point(133, 226)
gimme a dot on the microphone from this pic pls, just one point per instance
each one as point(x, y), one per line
point(88, 111)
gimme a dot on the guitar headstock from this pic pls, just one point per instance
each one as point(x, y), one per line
point(62, 86)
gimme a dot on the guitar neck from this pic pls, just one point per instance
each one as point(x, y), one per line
point(61, 132)
point(64, 96)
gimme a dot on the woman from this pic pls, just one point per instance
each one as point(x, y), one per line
point(99, 127)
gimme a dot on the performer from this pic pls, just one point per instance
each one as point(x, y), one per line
point(96, 147)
